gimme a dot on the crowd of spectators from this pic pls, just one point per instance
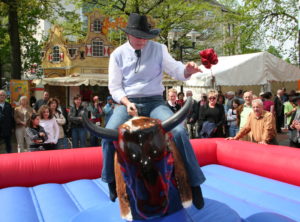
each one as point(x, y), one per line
point(242, 115)
point(47, 125)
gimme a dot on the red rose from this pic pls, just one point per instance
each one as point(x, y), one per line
point(208, 58)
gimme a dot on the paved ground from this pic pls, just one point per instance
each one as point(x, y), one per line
point(282, 140)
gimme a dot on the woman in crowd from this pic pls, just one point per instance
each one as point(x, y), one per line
point(180, 100)
point(221, 100)
point(22, 114)
point(36, 133)
point(53, 104)
point(268, 102)
point(48, 122)
point(202, 102)
point(211, 117)
point(232, 118)
point(78, 131)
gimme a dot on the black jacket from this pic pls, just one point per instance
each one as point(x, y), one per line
point(174, 108)
point(216, 116)
point(278, 107)
point(33, 134)
point(6, 120)
point(193, 114)
point(75, 120)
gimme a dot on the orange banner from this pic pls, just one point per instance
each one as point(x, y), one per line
point(18, 88)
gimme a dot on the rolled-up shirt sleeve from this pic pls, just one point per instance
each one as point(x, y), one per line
point(171, 66)
point(115, 80)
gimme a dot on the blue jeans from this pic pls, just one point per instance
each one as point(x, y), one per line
point(233, 131)
point(154, 107)
point(78, 137)
point(94, 140)
point(62, 143)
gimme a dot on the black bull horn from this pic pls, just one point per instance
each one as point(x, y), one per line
point(167, 125)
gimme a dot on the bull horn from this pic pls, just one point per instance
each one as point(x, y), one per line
point(178, 117)
point(97, 130)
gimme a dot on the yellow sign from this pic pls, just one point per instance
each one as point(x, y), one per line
point(18, 88)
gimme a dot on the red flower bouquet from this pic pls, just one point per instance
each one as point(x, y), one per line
point(208, 58)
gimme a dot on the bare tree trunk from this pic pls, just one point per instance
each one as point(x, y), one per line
point(13, 29)
point(1, 72)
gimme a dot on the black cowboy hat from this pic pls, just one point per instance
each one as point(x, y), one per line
point(139, 27)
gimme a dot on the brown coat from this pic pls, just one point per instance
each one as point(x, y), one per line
point(20, 116)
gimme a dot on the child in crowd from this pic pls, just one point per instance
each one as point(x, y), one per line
point(50, 125)
point(232, 118)
point(53, 104)
point(35, 133)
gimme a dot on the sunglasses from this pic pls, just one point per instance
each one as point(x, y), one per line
point(211, 98)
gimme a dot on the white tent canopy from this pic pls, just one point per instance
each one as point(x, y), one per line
point(90, 79)
point(87, 79)
point(248, 69)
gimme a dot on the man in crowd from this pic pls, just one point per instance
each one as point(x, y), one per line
point(294, 125)
point(243, 112)
point(279, 110)
point(172, 100)
point(42, 101)
point(135, 81)
point(290, 107)
point(260, 123)
point(96, 111)
point(192, 116)
point(6, 121)
point(229, 99)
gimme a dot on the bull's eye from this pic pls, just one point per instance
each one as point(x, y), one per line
point(134, 156)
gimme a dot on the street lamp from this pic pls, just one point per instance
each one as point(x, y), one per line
point(173, 37)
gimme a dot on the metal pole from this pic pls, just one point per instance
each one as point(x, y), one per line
point(181, 59)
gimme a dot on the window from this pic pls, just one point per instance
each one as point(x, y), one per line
point(72, 52)
point(42, 54)
point(97, 48)
point(97, 26)
point(81, 54)
point(55, 54)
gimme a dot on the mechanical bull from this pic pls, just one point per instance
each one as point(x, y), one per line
point(150, 175)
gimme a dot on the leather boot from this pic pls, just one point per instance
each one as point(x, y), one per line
point(112, 191)
point(197, 197)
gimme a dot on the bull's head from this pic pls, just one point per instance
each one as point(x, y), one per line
point(145, 159)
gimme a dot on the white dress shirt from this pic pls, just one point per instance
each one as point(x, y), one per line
point(124, 80)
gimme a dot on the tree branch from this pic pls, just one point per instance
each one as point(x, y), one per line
point(154, 6)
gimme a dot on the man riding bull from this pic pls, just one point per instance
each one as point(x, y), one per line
point(135, 81)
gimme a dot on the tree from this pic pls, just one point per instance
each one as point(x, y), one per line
point(23, 18)
point(4, 46)
point(13, 29)
point(170, 14)
point(271, 22)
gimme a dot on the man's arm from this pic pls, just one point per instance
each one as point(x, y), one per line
point(268, 130)
point(177, 69)
point(131, 108)
point(115, 80)
point(245, 130)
